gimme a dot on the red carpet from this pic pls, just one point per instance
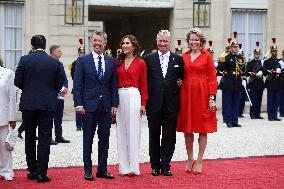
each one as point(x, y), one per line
point(253, 172)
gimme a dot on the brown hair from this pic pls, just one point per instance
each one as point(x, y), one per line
point(197, 32)
point(134, 42)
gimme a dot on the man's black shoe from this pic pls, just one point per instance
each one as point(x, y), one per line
point(270, 119)
point(105, 175)
point(230, 125)
point(78, 129)
point(52, 142)
point(88, 176)
point(43, 178)
point(167, 172)
point(259, 117)
point(236, 125)
point(253, 117)
point(155, 172)
point(62, 140)
point(31, 175)
point(277, 119)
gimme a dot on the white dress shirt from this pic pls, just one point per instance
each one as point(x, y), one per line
point(96, 59)
point(164, 61)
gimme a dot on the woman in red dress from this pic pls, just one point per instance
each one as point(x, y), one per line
point(197, 106)
point(132, 84)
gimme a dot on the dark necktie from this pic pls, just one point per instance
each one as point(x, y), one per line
point(100, 68)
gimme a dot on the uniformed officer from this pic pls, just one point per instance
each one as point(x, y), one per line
point(272, 69)
point(221, 73)
point(233, 68)
point(243, 94)
point(79, 118)
point(281, 108)
point(255, 83)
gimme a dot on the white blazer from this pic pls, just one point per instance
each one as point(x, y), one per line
point(7, 96)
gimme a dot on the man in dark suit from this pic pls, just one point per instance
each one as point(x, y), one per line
point(56, 52)
point(96, 96)
point(39, 76)
point(165, 74)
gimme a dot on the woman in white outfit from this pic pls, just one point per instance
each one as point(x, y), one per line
point(132, 83)
point(7, 118)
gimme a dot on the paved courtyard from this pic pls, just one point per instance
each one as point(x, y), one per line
point(255, 138)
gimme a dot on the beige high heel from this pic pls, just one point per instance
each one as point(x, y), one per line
point(189, 166)
point(197, 167)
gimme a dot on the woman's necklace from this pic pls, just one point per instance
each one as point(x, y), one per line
point(128, 63)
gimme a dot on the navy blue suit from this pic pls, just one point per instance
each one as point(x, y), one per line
point(39, 76)
point(60, 107)
point(97, 97)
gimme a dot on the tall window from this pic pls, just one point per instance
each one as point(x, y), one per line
point(201, 13)
point(250, 25)
point(12, 35)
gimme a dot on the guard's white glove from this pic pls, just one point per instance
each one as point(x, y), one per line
point(215, 64)
point(259, 74)
point(278, 70)
point(281, 62)
point(244, 83)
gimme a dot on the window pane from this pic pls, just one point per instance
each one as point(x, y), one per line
point(13, 15)
point(256, 22)
point(238, 22)
point(18, 38)
point(9, 59)
point(10, 38)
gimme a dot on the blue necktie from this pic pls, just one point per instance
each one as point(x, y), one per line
point(100, 68)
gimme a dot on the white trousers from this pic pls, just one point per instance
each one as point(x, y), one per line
point(129, 130)
point(6, 160)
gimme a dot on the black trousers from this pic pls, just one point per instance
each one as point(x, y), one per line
point(161, 151)
point(101, 119)
point(37, 159)
point(21, 128)
point(58, 119)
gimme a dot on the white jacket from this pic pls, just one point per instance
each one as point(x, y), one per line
point(7, 96)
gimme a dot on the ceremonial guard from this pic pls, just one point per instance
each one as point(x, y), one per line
point(243, 94)
point(81, 52)
point(233, 67)
point(211, 51)
point(255, 83)
point(178, 49)
point(221, 73)
point(272, 69)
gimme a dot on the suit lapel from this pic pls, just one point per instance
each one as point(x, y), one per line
point(92, 62)
point(158, 64)
point(170, 64)
point(107, 67)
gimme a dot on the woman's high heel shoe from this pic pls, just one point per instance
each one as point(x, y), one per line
point(197, 167)
point(189, 166)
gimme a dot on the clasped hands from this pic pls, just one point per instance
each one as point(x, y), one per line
point(212, 105)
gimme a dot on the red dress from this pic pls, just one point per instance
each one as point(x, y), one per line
point(199, 82)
